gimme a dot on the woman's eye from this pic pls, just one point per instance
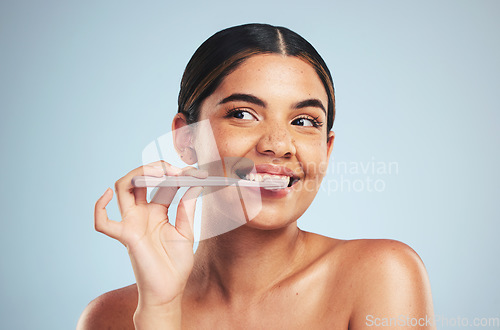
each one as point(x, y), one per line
point(311, 122)
point(241, 114)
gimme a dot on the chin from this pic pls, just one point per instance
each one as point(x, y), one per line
point(269, 222)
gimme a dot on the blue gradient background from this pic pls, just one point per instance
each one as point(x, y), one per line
point(86, 85)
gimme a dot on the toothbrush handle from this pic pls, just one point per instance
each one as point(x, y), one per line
point(181, 181)
point(211, 181)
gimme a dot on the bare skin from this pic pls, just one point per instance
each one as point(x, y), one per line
point(318, 295)
point(266, 274)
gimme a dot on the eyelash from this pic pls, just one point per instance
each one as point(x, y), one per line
point(314, 120)
point(233, 111)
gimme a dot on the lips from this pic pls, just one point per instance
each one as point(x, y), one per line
point(259, 177)
point(265, 172)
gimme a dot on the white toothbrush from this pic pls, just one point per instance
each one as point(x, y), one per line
point(211, 181)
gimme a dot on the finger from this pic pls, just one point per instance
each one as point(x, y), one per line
point(168, 169)
point(140, 195)
point(158, 211)
point(102, 223)
point(157, 169)
point(185, 213)
point(164, 195)
point(125, 191)
point(194, 172)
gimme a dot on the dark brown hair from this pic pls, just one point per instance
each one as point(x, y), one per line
point(223, 52)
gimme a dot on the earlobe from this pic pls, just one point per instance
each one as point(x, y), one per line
point(183, 137)
point(329, 143)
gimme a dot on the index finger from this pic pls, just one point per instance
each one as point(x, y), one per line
point(128, 195)
point(165, 195)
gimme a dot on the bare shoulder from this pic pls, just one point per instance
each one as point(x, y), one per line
point(377, 262)
point(380, 255)
point(362, 252)
point(112, 310)
point(366, 262)
point(372, 282)
point(389, 280)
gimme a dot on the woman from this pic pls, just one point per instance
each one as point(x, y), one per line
point(268, 97)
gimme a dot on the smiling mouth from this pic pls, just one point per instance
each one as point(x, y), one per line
point(260, 177)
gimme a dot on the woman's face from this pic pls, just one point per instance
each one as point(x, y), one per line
point(272, 110)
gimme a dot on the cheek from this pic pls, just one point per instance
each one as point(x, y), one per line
point(313, 156)
point(231, 142)
point(206, 143)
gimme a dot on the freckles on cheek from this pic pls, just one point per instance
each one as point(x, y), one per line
point(229, 143)
point(234, 147)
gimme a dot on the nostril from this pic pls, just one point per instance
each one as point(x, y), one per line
point(274, 145)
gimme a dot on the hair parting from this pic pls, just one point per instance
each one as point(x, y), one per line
point(223, 52)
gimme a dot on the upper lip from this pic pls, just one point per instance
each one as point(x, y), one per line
point(275, 170)
point(271, 169)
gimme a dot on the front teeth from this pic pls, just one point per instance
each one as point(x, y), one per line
point(259, 177)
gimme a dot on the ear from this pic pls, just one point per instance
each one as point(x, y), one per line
point(329, 143)
point(183, 135)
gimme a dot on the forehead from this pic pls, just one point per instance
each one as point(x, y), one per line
point(274, 75)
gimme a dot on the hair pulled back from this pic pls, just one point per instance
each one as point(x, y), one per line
point(223, 52)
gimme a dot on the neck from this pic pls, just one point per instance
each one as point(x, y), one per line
point(246, 262)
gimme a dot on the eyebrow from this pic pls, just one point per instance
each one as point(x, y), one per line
point(244, 97)
point(310, 103)
point(255, 100)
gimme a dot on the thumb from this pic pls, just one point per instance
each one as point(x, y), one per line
point(185, 213)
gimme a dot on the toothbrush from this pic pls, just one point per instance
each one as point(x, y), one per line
point(211, 181)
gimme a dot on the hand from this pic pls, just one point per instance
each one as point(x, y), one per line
point(161, 254)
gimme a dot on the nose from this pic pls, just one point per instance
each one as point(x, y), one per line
point(276, 141)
